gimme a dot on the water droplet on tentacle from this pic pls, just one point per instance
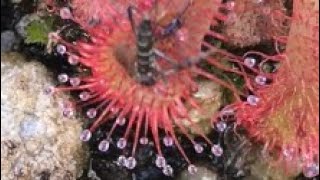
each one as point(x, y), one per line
point(63, 78)
point(91, 113)
point(85, 135)
point(160, 161)
point(104, 146)
point(121, 121)
point(61, 49)
point(253, 100)
point(122, 143)
point(75, 81)
point(217, 150)
point(168, 141)
point(221, 126)
point(167, 170)
point(311, 170)
point(65, 13)
point(130, 163)
point(121, 160)
point(144, 140)
point(261, 80)
point(198, 148)
point(250, 62)
point(84, 96)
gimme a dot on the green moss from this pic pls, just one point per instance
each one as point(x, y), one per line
point(38, 30)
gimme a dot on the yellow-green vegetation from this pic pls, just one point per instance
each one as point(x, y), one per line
point(38, 30)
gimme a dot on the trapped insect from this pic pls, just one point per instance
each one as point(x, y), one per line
point(147, 33)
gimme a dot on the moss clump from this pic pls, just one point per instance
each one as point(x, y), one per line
point(38, 30)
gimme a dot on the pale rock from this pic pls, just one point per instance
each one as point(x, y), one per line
point(36, 140)
point(203, 173)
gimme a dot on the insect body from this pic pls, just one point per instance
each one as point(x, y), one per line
point(145, 68)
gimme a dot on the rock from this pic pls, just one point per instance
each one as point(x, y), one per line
point(8, 41)
point(21, 26)
point(37, 142)
point(202, 174)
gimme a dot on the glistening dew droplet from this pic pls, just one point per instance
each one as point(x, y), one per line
point(121, 121)
point(160, 161)
point(73, 60)
point(217, 150)
point(221, 126)
point(104, 145)
point(311, 170)
point(84, 96)
point(144, 140)
point(92, 113)
point(168, 141)
point(85, 135)
point(130, 163)
point(122, 143)
point(63, 78)
point(121, 160)
point(61, 49)
point(75, 81)
point(65, 13)
point(261, 80)
point(250, 61)
point(198, 148)
point(167, 170)
point(253, 100)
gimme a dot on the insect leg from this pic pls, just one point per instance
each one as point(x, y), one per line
point(188, 63)
point(131, 18)
point(165, 57)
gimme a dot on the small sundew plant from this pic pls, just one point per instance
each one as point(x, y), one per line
point(284, 115)
point(144, 57)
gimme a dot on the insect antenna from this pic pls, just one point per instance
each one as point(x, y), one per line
point(187, 63)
